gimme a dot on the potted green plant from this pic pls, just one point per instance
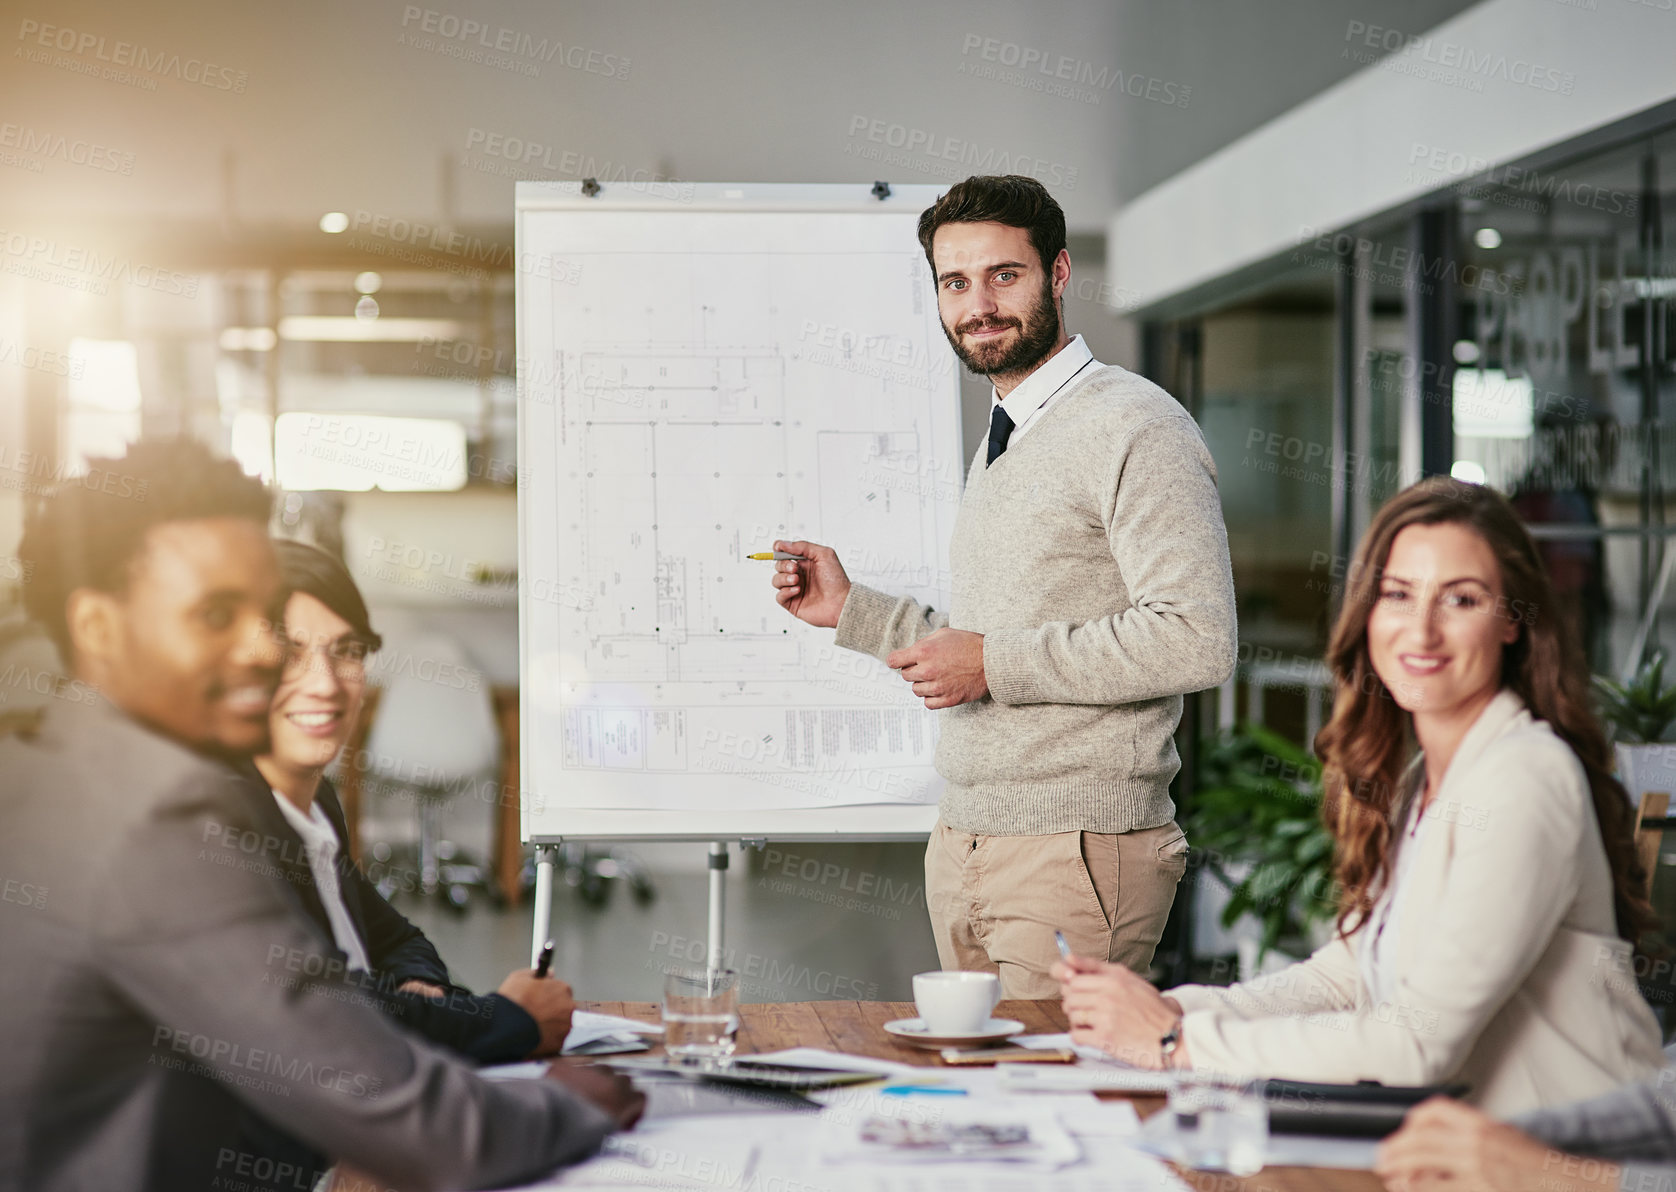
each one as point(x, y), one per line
point(1639, 714)
point(1255, 826)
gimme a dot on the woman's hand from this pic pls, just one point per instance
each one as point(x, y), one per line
point(1452, 1147)
point(1111, 1008)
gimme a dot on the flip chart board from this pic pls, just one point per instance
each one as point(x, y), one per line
point(704, 369)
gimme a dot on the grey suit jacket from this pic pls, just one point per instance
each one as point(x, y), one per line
point(159, 981)
point(1634, 1126)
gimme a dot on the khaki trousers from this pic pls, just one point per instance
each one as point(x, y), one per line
point(995, 901)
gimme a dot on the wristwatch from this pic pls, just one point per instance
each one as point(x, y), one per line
point(1167, 1046)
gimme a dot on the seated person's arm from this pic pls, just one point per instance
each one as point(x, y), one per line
point(519, 1021)
point(1444, 1144)
point(1511, 878)
point(398, 950)
point(188, 936)
point(395, 946)
point(1637, 1121)
point(1111, 1008)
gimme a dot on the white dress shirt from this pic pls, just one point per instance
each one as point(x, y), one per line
point(320, 841)
point(1026, 404)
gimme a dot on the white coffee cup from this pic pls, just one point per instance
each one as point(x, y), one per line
point(955, 1003)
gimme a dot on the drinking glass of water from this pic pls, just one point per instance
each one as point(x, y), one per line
point(1220, 1125)
point(700, 1013)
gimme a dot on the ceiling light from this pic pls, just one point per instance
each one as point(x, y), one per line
point(334, 222)
point(368, 282)
point(1487, 238)
point(248, 339)
point(1465, 352)
point(367, 307)
point(341, 328)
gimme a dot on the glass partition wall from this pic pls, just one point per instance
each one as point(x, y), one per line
point(1564, 393)
point(1513, 330)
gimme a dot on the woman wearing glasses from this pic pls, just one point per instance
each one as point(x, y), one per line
point(314, 710)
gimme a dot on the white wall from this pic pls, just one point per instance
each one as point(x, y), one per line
point(343, 106)
point(415, 556)
point(1545, 72)
point(341, 109)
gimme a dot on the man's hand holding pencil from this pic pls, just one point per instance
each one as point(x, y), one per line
point(812, 587)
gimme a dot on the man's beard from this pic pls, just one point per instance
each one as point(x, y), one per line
point(1038, 332)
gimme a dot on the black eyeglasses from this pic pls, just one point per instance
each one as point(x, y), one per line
point(347, 656)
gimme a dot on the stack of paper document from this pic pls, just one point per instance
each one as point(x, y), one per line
point(768, 1153)
point(590, 1034)
point(993, 1140)
point(673, 1153)
point(606, 1034)
point(917, 1130)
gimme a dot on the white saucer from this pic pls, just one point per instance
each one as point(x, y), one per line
point(913, 1031)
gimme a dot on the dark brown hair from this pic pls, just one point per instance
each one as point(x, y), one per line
point(1011, 199)
point(314, 572)
point(1369, 740)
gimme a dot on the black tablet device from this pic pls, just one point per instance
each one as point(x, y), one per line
point(1365, 1110)
point(745, 1071)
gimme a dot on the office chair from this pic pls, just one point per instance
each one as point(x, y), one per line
point(434, 738)
point(590, 869)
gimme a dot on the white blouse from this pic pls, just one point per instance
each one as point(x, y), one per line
point(320, 841)
point(1378, 953)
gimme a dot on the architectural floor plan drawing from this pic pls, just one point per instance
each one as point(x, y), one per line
point(699, 405)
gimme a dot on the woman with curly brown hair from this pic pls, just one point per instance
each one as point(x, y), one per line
point(1489, 891)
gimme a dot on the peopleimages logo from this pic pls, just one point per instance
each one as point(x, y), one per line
point(1489, 181)
point(463, 37)
point(920, 148)
point(48, 259)
point(45, 144)
point(128, 54)
point(1456, 61)
point(1037, 69)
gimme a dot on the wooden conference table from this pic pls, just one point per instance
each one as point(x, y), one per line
point(856, 1028)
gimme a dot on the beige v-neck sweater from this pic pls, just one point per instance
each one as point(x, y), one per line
point(1093, 558)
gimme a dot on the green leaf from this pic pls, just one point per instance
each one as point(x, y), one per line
point(1259, 804)
point(1642, 710)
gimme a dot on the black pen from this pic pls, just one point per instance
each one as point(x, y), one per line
point(1064, 948)
point(546, 961)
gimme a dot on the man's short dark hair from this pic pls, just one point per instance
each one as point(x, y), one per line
point(1011, 199)
point(88, 532)
point(314, 572)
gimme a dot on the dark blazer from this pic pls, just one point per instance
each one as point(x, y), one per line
point(146, 957)
point(486, 1030)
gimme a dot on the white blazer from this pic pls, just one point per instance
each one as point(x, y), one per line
point(1511, 975)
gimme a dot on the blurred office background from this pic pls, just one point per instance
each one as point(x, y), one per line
point(1361, 240)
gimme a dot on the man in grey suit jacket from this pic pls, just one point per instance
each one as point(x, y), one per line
point(156, 974)
point(1621, 1141)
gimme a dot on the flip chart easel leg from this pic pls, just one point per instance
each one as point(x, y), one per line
point(544, 857)
point(718, 904)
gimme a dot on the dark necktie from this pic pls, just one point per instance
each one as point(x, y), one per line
point(1000, 430)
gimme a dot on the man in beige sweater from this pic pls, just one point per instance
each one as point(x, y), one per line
point(1091, 591)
